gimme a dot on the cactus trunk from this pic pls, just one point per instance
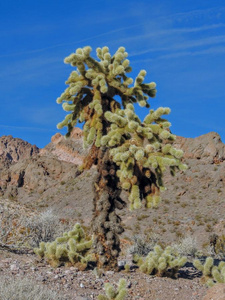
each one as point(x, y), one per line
point(106, 223)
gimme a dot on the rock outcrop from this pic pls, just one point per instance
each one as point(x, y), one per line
point(69, 150)
point(24, 166)
point(208, 147)
point(13, 150)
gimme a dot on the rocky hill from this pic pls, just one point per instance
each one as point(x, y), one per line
point(13, 150)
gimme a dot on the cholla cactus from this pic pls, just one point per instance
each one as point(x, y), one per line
point(161, 262)
point(111, 293)
point(146, 145)
point(129, 154)
point(71, 247)
point(211, 274)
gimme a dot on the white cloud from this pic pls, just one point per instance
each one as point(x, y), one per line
point(172, 31)
point(183, 46)
point(209, 51)
point(198, 13)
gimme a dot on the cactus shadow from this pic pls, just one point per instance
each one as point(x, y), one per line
point(188, 271)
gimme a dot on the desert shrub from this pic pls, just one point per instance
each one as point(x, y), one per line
point(19, 228)
point(112, 293)
point(142, 245)
point(17, 289)
point(186, 246)
point(12, 231)
point(44, 227)
point(217, 245)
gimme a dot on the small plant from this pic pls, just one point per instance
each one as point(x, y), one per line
point(179, 234)
point(208, 228)
point(71, 247)
point(161, 262)
point(43, 227)
point(176, 223)
point(112, 293)
point(20, 229)
point(186, 246)
point(198, 217)
point(127, 268)
point(10, 226)
point(142, 217)
point(217, 244)
point(142, 245)
point(211, 274)
point(98, 272)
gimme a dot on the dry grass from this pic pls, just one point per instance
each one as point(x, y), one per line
point(17, 289)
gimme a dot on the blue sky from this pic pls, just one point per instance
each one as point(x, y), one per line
point(181, 45)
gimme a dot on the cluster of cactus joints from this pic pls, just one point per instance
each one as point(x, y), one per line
point(92, 83)
point(71, 248)
point(112, 293)
point(161, 262)
point(211, 274)
point(142, 151)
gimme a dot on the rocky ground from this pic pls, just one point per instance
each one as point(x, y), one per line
point(33, 180)
point(74, 284)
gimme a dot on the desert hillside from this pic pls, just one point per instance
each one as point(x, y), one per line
point(48, 178)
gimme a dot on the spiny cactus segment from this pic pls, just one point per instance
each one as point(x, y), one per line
point(211, 274)
point(161, 262)
point(112, 293)
point(71, 247)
